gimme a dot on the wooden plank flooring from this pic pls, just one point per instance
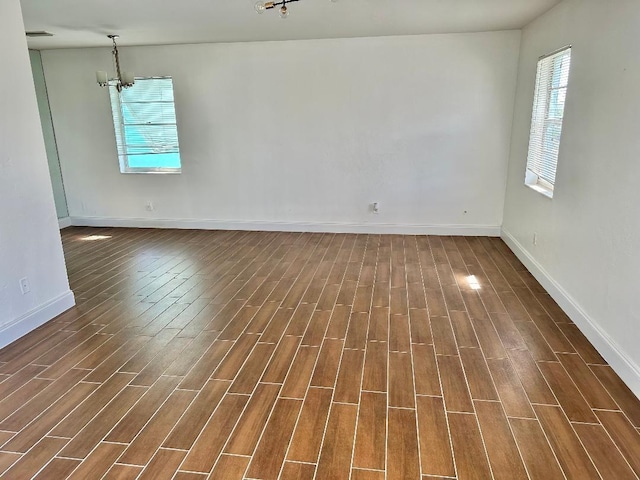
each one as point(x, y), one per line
point(196, 354)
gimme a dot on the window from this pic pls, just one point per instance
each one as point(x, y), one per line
point(144, 117)
point(552, 80)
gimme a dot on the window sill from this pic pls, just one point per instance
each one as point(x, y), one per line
point(547, 192)
point(151, 172)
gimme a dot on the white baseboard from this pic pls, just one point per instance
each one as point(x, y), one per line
point(626, 368)
point(322, 227)
point(64, 222)
point(31, 320)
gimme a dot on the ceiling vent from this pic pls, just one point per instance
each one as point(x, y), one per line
point(40, 33)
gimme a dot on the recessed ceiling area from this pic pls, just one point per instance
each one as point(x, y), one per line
point(149, 22)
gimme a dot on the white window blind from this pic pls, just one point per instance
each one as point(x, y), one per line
point(552, 81)
point(144, 118)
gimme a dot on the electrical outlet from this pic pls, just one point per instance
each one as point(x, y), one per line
point(24, 285)
point(375, 208)
point(149, 206)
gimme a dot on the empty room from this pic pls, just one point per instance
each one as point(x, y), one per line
point(320, 239)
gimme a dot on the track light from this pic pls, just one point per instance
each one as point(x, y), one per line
point(284, 10)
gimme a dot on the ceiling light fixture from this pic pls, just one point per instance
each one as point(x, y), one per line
point(122, 79)
point(284, 10)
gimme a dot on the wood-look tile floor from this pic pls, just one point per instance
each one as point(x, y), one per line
point(233, 355)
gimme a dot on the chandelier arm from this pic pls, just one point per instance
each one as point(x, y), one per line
point(117, 57)
point(283, 3)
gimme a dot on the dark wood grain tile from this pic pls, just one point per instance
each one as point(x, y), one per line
point(489, 339)
point(420, 324)
point(300, 320)
point(271, 450)
point(463, 330)
point(536, 344)
point(454, 384)
point(252, 370)
point(138, 416)
point(7, 459)
point(435, 302)
point(229, 467)
point(324, 375)
point(590, 387)
point(99, 461)
point(375, 367)
point(552, 334)
point(502, 450)
point(250, 425)
point(623, 435)
point(435, 446)
point(587, 351)
point(537, 454)
point(234, 358)
point(478, 376)
point(316, 329)
point(507, 331)
point(123, 472)
point(426, 378)
point(58, 468)
point(575, 462)
point(623, 396)
point(86, 411)
point(95, 430)
point(308, 435)
point(552, 308)
point(474, 304)
point(470, 457)
point(280, 362)
point(347, 389)
point(196, 416)
point(401, 388)
point(299, 376)
point(603, 452)
point(512, 395)
point(30, 463)
point(359, 474)
point(337, 447)
point(21, 409)
point(403, 460)
point(379, 325)
point(532, 380)
point(399, 334)
point(295, 471)
point(209, 444)
point(443, 338)
point(357, 331)
point(33, 432)
point(206, 365)
point(571, 401)
point(163, 464)
point(371, 432)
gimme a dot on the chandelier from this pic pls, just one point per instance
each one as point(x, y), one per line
point(284, 11)
point(122, 79)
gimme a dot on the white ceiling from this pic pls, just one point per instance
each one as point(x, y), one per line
point(85, 23)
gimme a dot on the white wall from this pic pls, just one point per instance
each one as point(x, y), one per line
point(588, 250)
point(29, 237)
point(49, 135)
point(303, 134)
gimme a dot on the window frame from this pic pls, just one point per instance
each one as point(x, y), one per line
point(533, 179)
point(123, 159)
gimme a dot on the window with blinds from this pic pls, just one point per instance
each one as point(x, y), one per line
point(144, 117)
point(552, 81)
